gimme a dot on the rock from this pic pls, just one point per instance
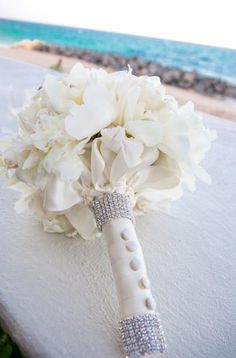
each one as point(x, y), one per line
point(220, 87)
point(56, 50)
point(154, 69)
point(188, 79)
point(141, 63)
point(199, 87)
point(172, 76)
point(105, 60)
point(143, 71)
point(68, 52)
point(210, 90)
point(230, 91)
point(190, 76)
point(205, 86)
point(30, 44)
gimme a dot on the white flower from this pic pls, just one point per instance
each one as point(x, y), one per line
point(79, 76)
point(93, 132)
point(114, 158)
point(148, 131)
point(97, 111)
point(59, 95)
point(58, 223)
point(59, 195)
point(82, 219)
point(64, 161)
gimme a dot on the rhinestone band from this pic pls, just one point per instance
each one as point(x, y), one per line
point(111, 206)
point(142, 334)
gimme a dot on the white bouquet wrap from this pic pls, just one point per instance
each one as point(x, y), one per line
point(94, 150)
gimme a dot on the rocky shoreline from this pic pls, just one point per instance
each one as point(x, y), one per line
point(184, 79)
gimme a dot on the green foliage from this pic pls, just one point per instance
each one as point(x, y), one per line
point(8, 349)
point(58, 66)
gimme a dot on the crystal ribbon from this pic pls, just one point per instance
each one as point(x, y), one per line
point(142, 334)
point(111, 206)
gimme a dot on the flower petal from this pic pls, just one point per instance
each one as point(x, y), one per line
point(147, 131)
point(82, 219)
point(97, 112)
point(57, 92)
point(156, 177)
point(59, 195)
point(65, 163)
point(176, 146)
point(97, 165)
point(128, 157)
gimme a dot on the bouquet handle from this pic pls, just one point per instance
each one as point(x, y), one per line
point(140, 327)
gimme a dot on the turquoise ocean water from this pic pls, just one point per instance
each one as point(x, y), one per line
point(213, 61)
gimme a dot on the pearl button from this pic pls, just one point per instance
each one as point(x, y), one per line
point(135, 264)
point(144, 283)
point(150, 303)
point(125, 234)
point(131, 246)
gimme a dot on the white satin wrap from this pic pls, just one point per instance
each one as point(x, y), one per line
point(117, 163)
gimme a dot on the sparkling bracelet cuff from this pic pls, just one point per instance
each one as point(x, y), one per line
point(111, 206)
point(141, 335)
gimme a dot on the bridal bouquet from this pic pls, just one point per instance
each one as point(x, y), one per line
point(94, 150)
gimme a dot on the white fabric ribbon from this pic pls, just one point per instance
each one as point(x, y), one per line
point(59, 195)
point(118, 164)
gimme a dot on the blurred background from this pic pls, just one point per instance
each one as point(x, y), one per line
point(190, 45)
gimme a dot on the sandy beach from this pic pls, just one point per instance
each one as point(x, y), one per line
point(221, 107)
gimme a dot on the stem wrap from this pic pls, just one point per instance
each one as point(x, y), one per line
point(140, 327)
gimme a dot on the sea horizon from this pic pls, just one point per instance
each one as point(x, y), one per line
point(208, 60)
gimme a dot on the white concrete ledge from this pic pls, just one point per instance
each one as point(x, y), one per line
point(57, 296)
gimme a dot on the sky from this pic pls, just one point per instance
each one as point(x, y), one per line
point(209, 22)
